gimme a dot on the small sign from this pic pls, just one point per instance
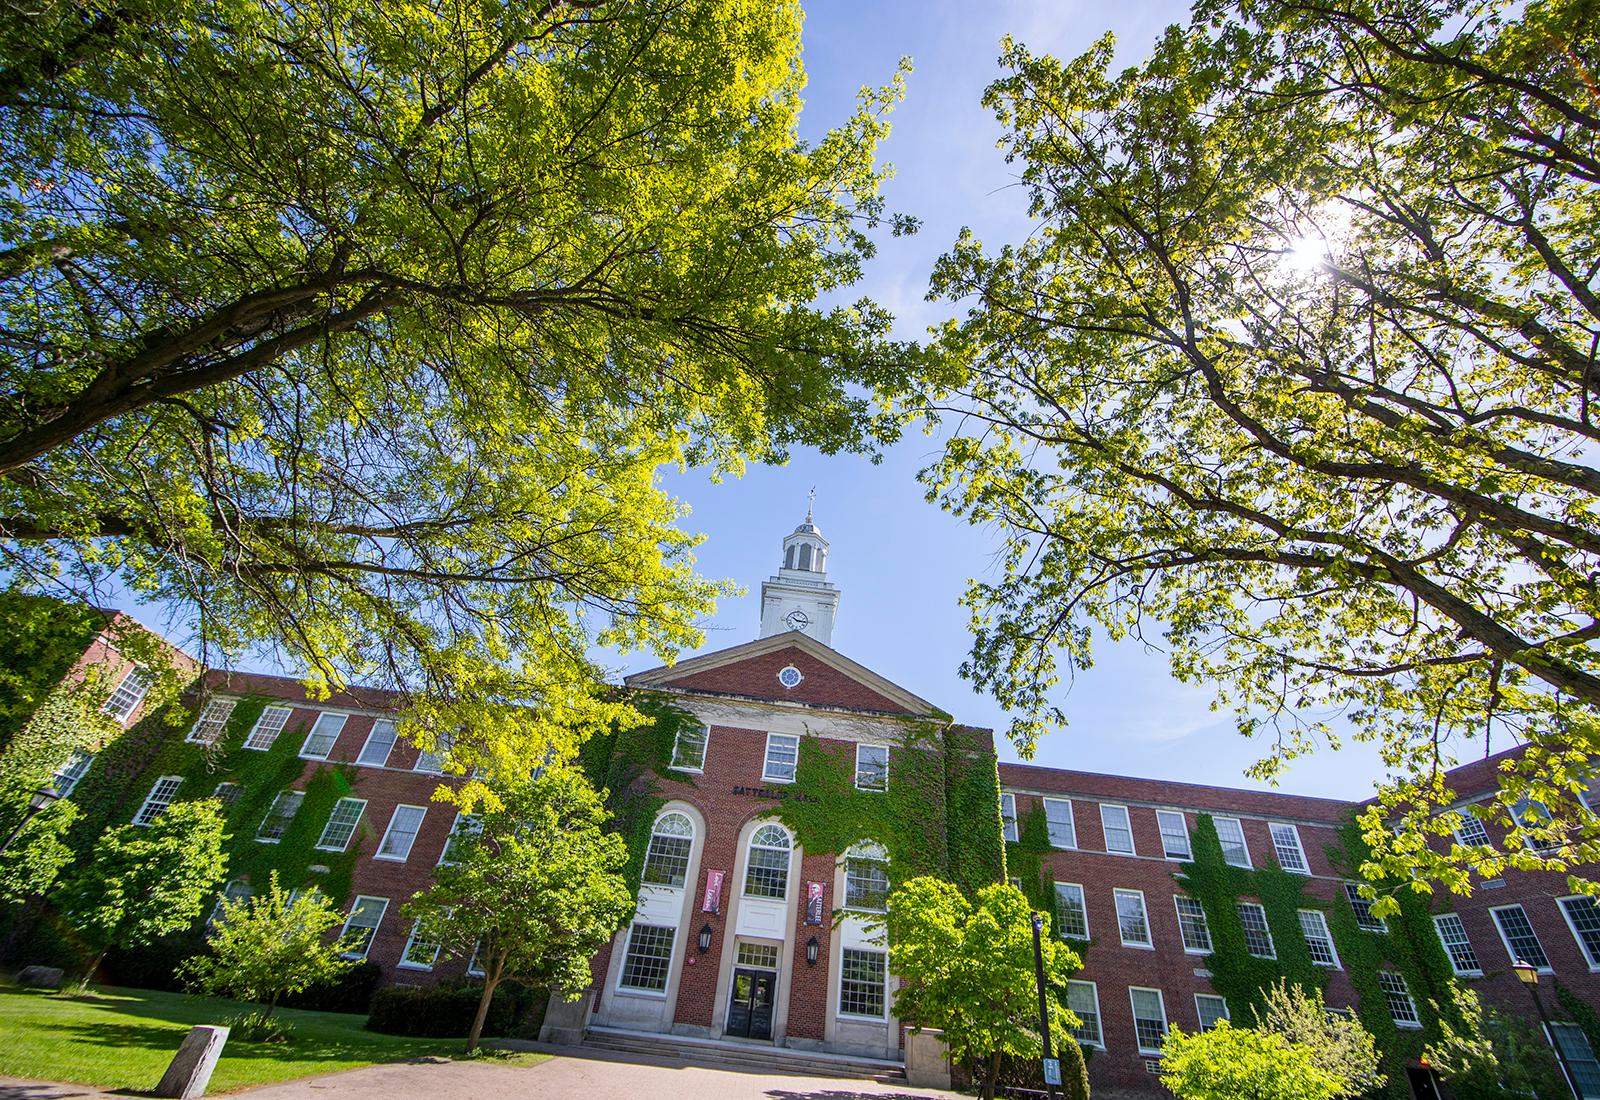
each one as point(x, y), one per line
point(1052, 1071)
point(713, 899)
point(813, 903)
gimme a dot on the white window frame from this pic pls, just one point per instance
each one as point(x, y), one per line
point(622, 970)
point(704, 732)
point(431, 761)
point(1439, 922)
point(355, 906)
point(474, 826)
point(214, 723)
point(1083, 904)
point(1144, 912)
point(1413, 1024)
point(1320, 919)
point(162, 792)
point(131, 697)
point(1105, 833)
point(1205, 923)
point(1352, 895)
point(394, 816)
point(1266, 927)
point(305, 746)
point(1469, 820)
point(1163, 819)
point(1244, 844)
point(407, 964)
point(839, 993)
point(269, 724)
point(1299, 848)
point(229, 802)
point(1008, 820)
point(1133, 1003)
point(866, 853)
point(65, 779)
point(1071, 824)
point(236, 891)
point(1494, 918)
point(1099, 1019)
point(876, 790)
point(288, 792)
point(361, 809)
point(1589, 957)
point(1199, 1013)
point(394, 739)
point(766, 758)
point(473, 969)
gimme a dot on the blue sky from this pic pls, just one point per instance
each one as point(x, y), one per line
point(902, 563)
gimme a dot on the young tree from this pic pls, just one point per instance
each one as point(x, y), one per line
point(966, 967)
point(1228, 1063)
point(533, 893)
point(1299, 365)
point(1339, 1045)
point(378, 358)
point(1492, 1055)
point(268, 945)
point(36, 854)
point(144, 881)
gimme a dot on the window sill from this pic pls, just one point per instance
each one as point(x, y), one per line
point(394, 859)
point(687, 771)
point(872, 790)
point(772, 779)
point(1139, 946)
point(329, 848)
point(266, 840)
point(1197, 952)
point(622, 990)
point(856, 1019)
point(1408, 1026)
point(1063, 847)
point(403, 965)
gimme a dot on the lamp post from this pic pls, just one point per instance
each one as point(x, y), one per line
point(1528, 975)
point(1044, 1012)
point(38, 801)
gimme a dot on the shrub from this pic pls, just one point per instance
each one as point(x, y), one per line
point(350, 992)
point(445, 1011)
point(1228, 1063)
point(1337, 1044)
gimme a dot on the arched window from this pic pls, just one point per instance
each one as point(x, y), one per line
point(866, 877)
point(805, 555)
point(820, 562)
point(666, 861)
point(767, 874)
point(788, 559)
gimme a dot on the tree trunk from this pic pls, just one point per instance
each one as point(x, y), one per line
point(491, 978)
point(93, 966)
point(272, 1003)
point(990, 1077)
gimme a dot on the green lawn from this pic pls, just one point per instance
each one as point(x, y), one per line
point(124, 1038)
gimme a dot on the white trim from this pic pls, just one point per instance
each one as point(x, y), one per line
point(1511, 953)
point(1133, 1005)
point(622, 969)
point(1144, 912)
point(1470, 973)
point(1105, 836)
point(394, 815)
point(312, 732)
point(367, 744)
point(1561, 904)
point(1010, 828)
point(271, 709)
point(150, 799)
point(1244, 843)
point(451, 835)
point(1300, 849)
point(373, 935)
point(404, 964)
point(766, 757)
point(1266, 927)
point(1414, 1024)
point(705, 750)
point(361, 811)
point(1099, 1017)
point(1200, 1017)
point(874, 790)
point(1321, 919)
point(1177, 909)
point(203, 718)
point(1071, 823)
point(1188, 837)
point(841, 1014)
point(1083, 900)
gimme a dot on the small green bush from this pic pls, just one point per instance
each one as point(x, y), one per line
point(351, 992)
point(445, 1011)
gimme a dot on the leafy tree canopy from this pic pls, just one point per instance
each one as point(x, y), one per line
point(1229, 1063)
point(1336, 1043)
point(36, 853)
point(1298, 365)
point(363, 334)
point(967, 968)
point(1493, 1055)
point(532, 891)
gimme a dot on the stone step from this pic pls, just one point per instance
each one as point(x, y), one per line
point(734, 1055)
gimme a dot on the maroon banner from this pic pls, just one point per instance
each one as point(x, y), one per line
point(713, 900)
point(813, 903)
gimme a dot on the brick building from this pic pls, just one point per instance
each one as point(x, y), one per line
point(743, 932)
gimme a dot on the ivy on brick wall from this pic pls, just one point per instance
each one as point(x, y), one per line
point(44, 639)
point(974, 839)
point(1025, 859)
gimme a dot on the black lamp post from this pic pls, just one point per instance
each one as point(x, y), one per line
point(1044, 1012)
point(38, 801)
point(1528, 975)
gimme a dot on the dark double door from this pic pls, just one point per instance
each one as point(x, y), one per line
point(750, 1004)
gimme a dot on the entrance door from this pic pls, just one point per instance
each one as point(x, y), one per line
point(1424, 1086)
point(750, 1004)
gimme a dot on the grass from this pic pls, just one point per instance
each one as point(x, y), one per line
point(124, 1038)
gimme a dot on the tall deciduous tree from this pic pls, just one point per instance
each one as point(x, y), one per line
point(533, 892)
point(366, 335)
point(1299, 367)
point(144, 881)
point(966, 967)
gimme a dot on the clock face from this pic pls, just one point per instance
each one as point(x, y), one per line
point(797, 619)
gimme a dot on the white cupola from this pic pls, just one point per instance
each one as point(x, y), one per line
point(799, 597)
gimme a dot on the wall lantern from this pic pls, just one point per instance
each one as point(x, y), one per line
point(811, 951)
point(705, 938)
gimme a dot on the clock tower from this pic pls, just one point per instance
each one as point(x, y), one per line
point(799, 597)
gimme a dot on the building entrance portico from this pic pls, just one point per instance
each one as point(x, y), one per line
point(750, 998)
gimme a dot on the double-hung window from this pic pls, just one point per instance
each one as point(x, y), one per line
point(279, 816)
point(1059, 821)
point(1257, 936)
point(366, 914)
point(783, 756)
point(1118, 830)
point(1132, 923)
point(341, 824)
point(767, 866)
point(420, 953)
point(379, 744)
point(1192, 926)
point(1583, 917)
point(401, 834)
point(129, 694)
point(862, 978)
point(1235, 852)
point(1210, 1008)
point(319, 742)
point(213, 720)
point(1402, 1009)
point(689, 747)
point(666, 860)
point(1286, 844)
point(648, 959)
point(227, 794)
point(1453, 934)
point(1469, 829)
point(71, 773)
point(160, 797)
point(866, 883)
point(267, 727)
point(1522, 942)
point(872, 767)
point(1072, 916)
point(1084, 1000)
point(1008, 817)
point(431, 761)
point(235, 894)
point(466, 826)
point(1319, 941)
point(1580, 1059)
point(1149, 1019)
point(1366, 920)
point(1174, 835)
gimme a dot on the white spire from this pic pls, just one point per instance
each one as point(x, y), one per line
point(799, 597)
